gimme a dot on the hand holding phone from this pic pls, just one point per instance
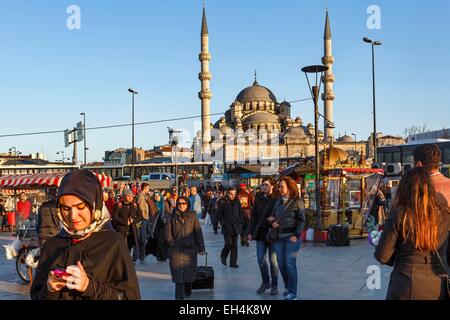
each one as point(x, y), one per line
point(61, 272)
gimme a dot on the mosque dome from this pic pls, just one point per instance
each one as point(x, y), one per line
point(346, 139)
point(332, 156)
point(256, 93)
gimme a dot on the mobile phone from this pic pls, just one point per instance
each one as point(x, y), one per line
point(61, 272)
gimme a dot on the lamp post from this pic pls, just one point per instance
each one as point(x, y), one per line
point(173, 139)
point(84, 134)
point(133, 93)
point(315, 90)
point(373, 43)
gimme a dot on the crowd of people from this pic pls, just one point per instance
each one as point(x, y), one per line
point(137, 222)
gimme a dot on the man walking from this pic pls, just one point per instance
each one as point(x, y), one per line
point(142, 202)
point(126, 220)
point(196, 202)
point(231, 218)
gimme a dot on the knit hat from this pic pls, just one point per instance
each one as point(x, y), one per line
point(127, 192)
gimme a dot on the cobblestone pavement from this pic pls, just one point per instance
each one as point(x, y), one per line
point(325, 273)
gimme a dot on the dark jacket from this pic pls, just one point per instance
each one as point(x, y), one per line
point(185, 240)
point(105, 259)
point(262, 209)
point(48, 223)
point(416, 274)
point(122, 212)
point(230, 216)
point(292, 216)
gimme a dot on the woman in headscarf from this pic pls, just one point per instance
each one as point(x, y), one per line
point(156, 245)
point(88, 260)
point(185, 240)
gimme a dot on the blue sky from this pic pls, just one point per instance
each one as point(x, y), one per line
point(49, 74)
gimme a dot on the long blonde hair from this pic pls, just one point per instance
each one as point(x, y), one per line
point(423, 209)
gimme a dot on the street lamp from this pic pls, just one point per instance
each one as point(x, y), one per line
point(315, 90)
point(173, 139)
point(373, 43)
point(133, 93)
point(84, 134)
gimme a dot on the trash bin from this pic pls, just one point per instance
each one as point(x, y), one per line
point(11, 218)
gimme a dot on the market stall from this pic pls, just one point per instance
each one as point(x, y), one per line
point(347, 190)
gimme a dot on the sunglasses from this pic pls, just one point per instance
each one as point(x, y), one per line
point(182, 203)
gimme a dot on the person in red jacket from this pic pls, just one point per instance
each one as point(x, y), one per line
point(23, 210)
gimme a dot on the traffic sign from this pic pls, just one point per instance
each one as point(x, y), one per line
point(80, 131)
point(66, 137)
point(216, 178)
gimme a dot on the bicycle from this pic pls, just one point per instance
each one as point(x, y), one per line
point(29, 241)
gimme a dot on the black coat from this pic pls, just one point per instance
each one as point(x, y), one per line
point(48, 222)
point(185, 240)
point(231, 216)
point(121, 213)
point(261, 210)
point(105, 258)
point(416, 274)
point(292, 216)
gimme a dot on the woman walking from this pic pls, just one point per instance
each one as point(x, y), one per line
point(415, 236)
point(185, 240)
point(288, 219)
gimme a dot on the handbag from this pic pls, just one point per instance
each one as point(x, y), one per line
point(272, 235)
point(447, 276)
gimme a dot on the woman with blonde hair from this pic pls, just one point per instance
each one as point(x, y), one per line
point(415, 240)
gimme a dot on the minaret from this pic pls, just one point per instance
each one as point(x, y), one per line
point(328, 80)
point(205, 94)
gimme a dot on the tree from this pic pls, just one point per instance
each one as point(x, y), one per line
point(415, 130)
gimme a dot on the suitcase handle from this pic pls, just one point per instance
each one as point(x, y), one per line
point(206, 256)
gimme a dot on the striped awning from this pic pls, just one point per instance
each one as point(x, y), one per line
point(42, 180)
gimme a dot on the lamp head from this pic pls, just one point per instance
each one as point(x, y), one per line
point(377, 43)
point(132, 91)
point(365, 39)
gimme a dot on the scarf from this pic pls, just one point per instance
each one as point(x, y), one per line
point(160, 204)
point(100, 219)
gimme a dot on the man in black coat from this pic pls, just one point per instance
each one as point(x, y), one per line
point(126, 220)
point(48, 224)
point(231, 217)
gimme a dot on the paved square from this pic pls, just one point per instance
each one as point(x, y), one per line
point(325, 273)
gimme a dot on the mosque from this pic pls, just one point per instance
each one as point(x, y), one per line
point(257, 107)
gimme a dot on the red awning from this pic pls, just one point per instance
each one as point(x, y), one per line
point(42, 180)
point(362, 170)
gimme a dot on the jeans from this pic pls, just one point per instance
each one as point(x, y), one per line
point(287, 253)
point(143, 237)
point(261, 252)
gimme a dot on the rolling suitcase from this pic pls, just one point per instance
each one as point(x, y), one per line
point(338, 236)
point(204, 278)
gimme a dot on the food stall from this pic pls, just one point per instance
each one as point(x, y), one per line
point(347, 190)
point(36, 186)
